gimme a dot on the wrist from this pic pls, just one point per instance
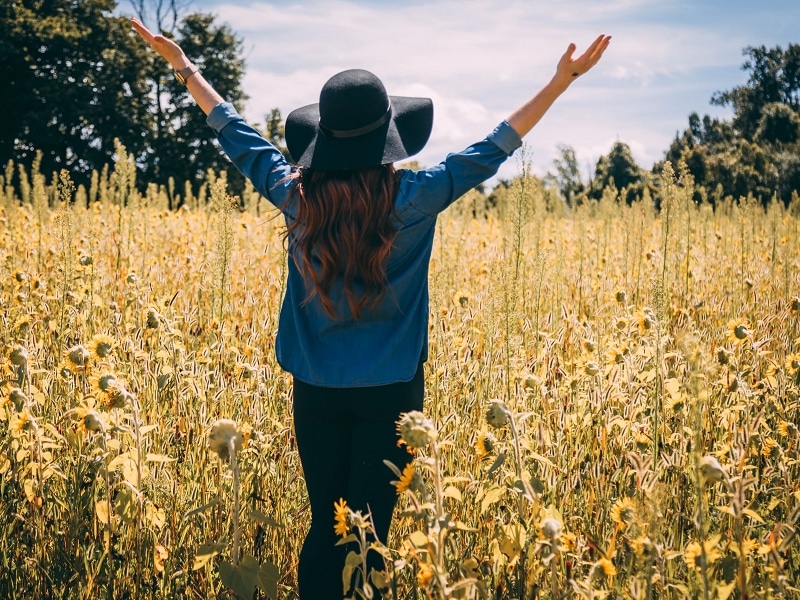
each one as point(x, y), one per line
point(180, 62)
point(561, 81)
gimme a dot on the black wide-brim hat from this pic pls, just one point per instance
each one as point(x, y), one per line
point(357, 125)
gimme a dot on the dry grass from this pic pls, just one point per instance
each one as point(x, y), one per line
point(643, 368)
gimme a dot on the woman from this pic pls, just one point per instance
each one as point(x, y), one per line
point(354, 321)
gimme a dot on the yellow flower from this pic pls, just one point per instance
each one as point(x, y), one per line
point(101, 346)
point(608, 568)
point(568, 541)
point(643, 547)
point(23, 324)
point(424, 575)
point(623, 512)
point(785, 428)
point(409, 480)
point(484, 445)
point(738, 331)
point(102, 384)
point(690, 554)
point(748, 545)
point(461, 299)
point(20, 423)
point(591, 368)
point(341, 514)
point(645, 321)
point(693, 553)
point(77, 359)
point(616, 355)
point(792, 364)
point(770, 447)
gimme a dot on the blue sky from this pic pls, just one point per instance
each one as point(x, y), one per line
point(478, 60)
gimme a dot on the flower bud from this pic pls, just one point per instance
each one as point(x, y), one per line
point(415, 429)
point(223, 433)
point(498, 414)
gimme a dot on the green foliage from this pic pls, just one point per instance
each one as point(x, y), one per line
point(755, 153)
point(774, 78)
point(618, 168)
point(183, 146)
point(567, 177)
point(77, 77)
point(73, 81)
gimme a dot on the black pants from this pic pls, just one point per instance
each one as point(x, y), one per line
point(343, 436)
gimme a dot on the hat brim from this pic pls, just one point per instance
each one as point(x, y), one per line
point(405, 134)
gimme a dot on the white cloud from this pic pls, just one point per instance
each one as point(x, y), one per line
point(479, 60)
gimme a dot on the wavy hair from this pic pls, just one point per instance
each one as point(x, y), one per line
point(344, 229)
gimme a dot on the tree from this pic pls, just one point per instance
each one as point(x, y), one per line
point(276, 131)
point(778, 125)
point(774, 78)
point(568, 175)
point(619, 168)
point(756, 152)
point(183, 146)
point(74, 82)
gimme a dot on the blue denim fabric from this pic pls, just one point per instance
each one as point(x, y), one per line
point(385, 345)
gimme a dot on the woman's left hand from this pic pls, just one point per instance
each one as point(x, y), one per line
point(569, 68)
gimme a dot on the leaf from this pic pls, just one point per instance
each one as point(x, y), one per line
point(726, 509)
point(147, 429)
point(101, 510)
point(157, 516)
point(352, 561)
point(452, 492)
point(542, 459)
point(125, 504)
point(673, 387)
point(393, 467)
point(419, 539)
point(268, 576)
point(512, 540)
point(205, 553)
point(498, 462)
point(724, 591)
point(346, 540)
point(491, 496)
point(242, 579)
point(259, 516)
point(162, 458)
point(461, 526)
point(753, 515)
point(199, 509)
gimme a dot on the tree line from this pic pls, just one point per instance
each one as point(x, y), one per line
point(77, 77)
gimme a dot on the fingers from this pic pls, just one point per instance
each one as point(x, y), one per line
point(142, 30)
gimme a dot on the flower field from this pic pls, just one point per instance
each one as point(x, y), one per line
point(611, 400)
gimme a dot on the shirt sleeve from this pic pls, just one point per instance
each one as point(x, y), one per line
point(260, 161)
point(432, 190)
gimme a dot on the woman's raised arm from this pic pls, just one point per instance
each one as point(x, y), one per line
point(526, 116)
point(202, 92)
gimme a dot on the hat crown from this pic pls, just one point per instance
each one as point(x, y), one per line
point(352, 99)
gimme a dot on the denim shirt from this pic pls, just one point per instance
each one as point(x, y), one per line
point(387, 343)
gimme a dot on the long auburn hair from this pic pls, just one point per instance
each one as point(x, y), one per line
point(344, 228)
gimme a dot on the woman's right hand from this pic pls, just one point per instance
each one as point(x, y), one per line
point(168, 49)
